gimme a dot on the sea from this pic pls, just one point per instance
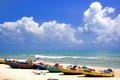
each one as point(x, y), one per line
point(108, 59)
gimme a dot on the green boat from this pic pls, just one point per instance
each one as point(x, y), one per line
point(53, 69)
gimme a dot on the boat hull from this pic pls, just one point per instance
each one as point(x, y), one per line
point(2, 61)
point(53, 69)
point(70, 72)
point(96, 74)
point(39, 66)
point(22, 65)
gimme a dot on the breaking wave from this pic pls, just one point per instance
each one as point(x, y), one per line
point(61, 57)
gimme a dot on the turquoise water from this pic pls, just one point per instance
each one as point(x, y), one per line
point(109, 59)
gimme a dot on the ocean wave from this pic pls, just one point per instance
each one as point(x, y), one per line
point(61, 57)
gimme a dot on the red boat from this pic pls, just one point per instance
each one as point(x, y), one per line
point(22, 65)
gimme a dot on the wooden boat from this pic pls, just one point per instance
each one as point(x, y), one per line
point(103, 73)
point(22, 65)
point(2, 61)
point(70, 71)
point(53, 69)
point(40, 66)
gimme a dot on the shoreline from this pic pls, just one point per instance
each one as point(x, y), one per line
point(7, 73)
point(23, 60)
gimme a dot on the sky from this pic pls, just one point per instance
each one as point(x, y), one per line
point(59, 25)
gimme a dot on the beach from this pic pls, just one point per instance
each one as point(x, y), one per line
point(98, 60)
point(7, 73)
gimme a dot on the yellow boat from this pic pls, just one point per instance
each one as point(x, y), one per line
point(2, 61)
point(103, 73)
point(70, 71)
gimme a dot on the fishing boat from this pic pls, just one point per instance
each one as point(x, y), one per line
point(2, 61)
point(22, 65)
point(40, 66)
point(101, 73)
point(54, 68)
point(70, 71)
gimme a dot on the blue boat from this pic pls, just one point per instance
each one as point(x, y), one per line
point(39, 66)
point(21, 65)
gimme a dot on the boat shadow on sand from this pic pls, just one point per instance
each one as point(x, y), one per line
point(83, 76)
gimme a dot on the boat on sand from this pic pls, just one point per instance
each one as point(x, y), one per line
point(54, 68)
point(100, 73)
point(71, 71)
point(22, 65)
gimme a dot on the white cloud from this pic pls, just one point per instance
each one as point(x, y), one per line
point(17, 30)
point(49, 31)
point(97, 20)
point(62, 32)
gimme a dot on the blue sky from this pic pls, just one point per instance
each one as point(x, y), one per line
point(59, 25)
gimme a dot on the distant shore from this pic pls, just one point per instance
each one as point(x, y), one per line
point(7, 73)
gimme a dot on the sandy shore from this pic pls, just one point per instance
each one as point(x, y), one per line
point(7, 73)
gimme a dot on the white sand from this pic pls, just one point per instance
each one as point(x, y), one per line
point(7, 73)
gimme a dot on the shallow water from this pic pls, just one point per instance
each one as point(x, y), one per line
point(110, 59)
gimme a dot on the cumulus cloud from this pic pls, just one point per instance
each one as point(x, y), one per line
point(98, 21)
point(27, 29)
point(18, 30)
point(62, 32)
